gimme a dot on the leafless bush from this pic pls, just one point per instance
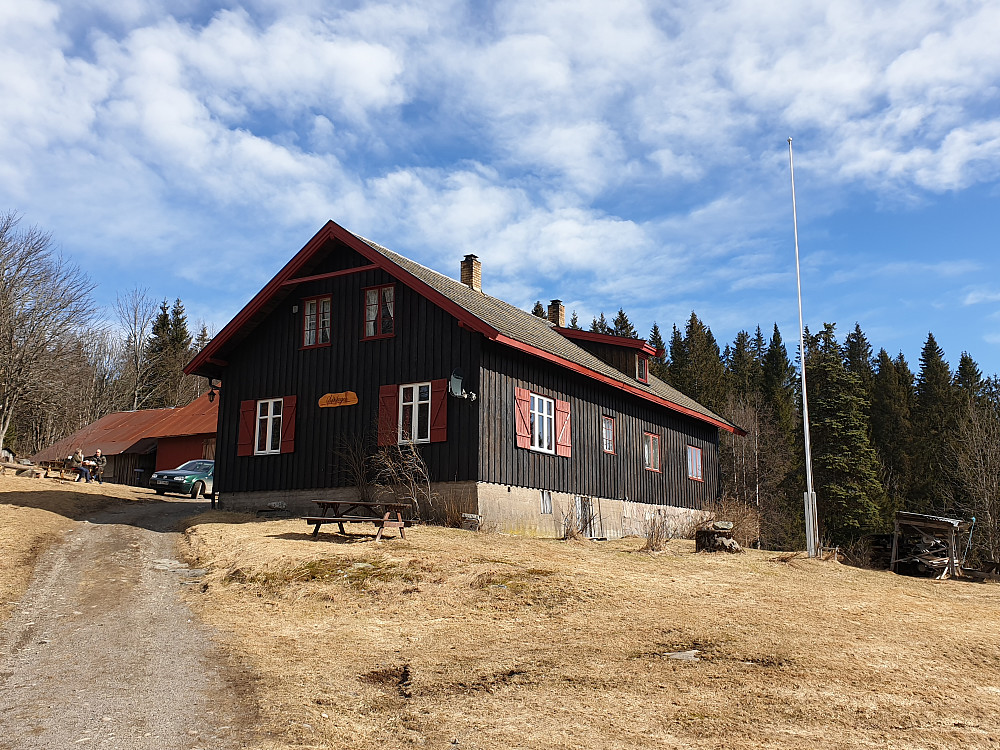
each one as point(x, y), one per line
point(744, 517)
point(658, 530)
point(575, 523)
point(352, 452)
point(401, 471)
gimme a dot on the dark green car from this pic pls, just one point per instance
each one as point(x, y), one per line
point(193, 478)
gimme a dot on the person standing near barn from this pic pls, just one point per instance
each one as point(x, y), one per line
point(100, 461)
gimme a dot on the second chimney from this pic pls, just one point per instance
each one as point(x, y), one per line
point(557, 313)
point(472, 273)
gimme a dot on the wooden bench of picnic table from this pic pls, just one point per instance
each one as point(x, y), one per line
point(357, 511)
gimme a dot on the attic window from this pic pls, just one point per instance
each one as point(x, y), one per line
point(316, 322)
point(642, 368)
point(380, 312)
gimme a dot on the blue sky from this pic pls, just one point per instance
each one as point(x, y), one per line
point(610, 154)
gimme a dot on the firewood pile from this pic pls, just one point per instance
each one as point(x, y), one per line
point(928, 545)
point(716, 536)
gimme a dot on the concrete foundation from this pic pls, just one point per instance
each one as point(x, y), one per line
point(500, 508)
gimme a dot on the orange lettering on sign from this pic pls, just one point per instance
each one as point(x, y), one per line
point(330, 400)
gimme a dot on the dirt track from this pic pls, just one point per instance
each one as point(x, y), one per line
point(102, 652)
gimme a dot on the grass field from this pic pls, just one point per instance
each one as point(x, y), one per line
point(453, 638)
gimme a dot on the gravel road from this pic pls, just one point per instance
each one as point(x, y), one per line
point(103, 652)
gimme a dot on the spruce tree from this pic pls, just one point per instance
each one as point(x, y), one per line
point(574, 322)
point(622, 326)
point(858, 359)
point(677, 365)
point(892, 399)
point(657, 363)
point(778, 385)
point(743, 370)
point(849, 494)
point(600, 325)
point(700, 369)
point(539, 310)
point(934, 422)
point(969, 378)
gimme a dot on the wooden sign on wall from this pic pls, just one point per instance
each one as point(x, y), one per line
point(331, 400)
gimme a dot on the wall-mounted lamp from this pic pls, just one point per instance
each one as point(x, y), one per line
point(455, 385)
point(212, 386)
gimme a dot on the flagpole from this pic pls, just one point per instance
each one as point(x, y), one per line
point(812, 525)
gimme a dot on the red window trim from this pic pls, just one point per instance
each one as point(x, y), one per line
point(642, 374)
point(247, 429)
point(302, 337)
point(613, 428)
point(388, 412)
point(701, 466)
point(378, 318)
point(659, 453)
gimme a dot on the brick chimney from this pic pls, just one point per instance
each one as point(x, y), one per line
point(472, 273)
point(557, 313)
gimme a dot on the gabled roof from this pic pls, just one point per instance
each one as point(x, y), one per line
point(495, 319)
point(136, 431)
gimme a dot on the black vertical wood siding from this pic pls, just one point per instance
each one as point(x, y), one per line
point(590, 471)
point(428, 344)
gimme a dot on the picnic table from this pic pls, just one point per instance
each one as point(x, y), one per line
point(359, 511)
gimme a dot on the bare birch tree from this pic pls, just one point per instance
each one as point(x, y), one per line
point(135, 312)
point(975, 462)
point(44, 303)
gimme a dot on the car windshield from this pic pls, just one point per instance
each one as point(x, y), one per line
point(199, 466)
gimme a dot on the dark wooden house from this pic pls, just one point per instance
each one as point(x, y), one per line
point(351, 340)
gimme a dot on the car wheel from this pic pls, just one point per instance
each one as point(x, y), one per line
point(159, 492)
point(197, 490)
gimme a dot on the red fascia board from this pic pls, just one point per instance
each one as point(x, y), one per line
point(604, 338)
point(332, 231)
point(617, 383)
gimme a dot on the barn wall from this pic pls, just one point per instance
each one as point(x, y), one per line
point(270, 363)
point(589, 470)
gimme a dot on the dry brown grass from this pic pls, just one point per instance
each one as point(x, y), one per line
point(505, 642)
point(34, 513)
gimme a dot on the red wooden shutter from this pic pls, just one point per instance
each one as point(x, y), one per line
point(288, 424)
point(388, 415)
point(522, 417)
point(439, 411)
point(244, 437)
point(563, 441)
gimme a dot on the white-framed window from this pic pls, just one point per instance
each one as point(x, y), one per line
point(380, 311)
point(542, 416)
point(694, 464)
point(651, 451)
point(268, 435)
point(608, 434)
point(316, 322)
point(415, 413)
point(546, 499)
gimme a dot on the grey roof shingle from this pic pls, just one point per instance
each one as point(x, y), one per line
point(536, 332)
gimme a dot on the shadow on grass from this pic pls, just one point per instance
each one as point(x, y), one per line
point(324, 536)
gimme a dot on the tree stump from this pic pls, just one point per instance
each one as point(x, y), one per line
point(716, 536)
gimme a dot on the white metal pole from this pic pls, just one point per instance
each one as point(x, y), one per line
point(812, 526)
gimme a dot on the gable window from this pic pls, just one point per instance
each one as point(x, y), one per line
point(415, 413)
point(651, 451)
point(694, 464)
point(608, 434)
point(542, 423)
point(641, 369)
point(546, 497)
point(316, 322)
point(266, 427)
point(380, 312)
